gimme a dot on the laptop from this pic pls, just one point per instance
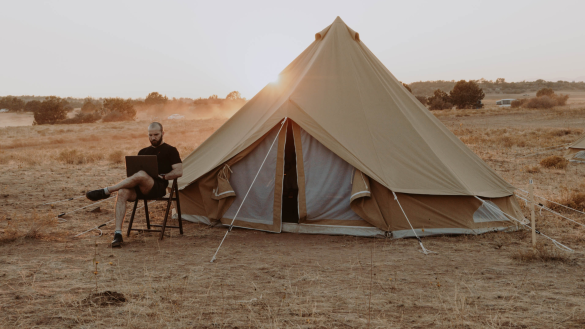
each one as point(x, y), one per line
point(148, 163)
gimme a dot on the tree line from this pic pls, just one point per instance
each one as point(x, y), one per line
point(53, 109)
point(463, 95)
point(427, 88)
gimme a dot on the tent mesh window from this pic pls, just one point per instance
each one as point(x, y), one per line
point(489, 214)
point(580, 155)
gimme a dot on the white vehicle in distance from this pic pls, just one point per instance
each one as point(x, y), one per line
point(3, 110)
point(176, 116)
point(505, 102)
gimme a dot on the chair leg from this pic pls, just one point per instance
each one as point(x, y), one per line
point(164, 225)
point(132, 217)
point(178, 208)
point(147, 215)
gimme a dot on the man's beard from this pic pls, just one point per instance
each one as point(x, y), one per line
point(156, 143)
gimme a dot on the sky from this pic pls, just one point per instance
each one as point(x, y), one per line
point(199, 48)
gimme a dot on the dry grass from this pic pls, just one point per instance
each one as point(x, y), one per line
point(116, 157)
point(76, 157)
point(554, 161)
point(32, 226)
point(542, 253)
point(532, 169)
point(573, 199)
point(264, 280)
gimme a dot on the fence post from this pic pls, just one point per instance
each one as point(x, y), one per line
point(532, 216)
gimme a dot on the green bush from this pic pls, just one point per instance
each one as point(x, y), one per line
point(466, 95)
point(51, 110)
point(118, 109)
point(545, 92)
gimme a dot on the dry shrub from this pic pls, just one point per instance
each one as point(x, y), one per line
point(82, 118)
point(543, 102)
point(531, 169)
point(518, 103)
point(573, 200)
point(562, 132)
point(505, 141)
point(554, 161)
point(76, 157)
point(542, 253)
point(438, 104)
point(561, 99)
point(116, 157)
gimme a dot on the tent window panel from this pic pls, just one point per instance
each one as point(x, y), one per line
point(259, 204)
point(491, 213)
point(580, 155)
point(327, 182)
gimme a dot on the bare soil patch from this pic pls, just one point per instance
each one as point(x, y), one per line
point(264, 280)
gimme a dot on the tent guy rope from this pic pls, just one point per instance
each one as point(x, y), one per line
point(558, 204)
point(104, 224)
point(249, 189)
point(549, 210)
point(495, 208)
point(424, 250)
point(74, 210)
point(64, 200)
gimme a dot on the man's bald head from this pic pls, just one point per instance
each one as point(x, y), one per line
point(155, 125)
point(155, 134)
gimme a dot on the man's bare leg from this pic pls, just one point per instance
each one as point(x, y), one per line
point(124, 195)
point(140, 179)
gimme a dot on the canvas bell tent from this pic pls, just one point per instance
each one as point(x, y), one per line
point(336, 137)
point(576, 151)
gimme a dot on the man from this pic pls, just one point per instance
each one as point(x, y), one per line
point(141, 185)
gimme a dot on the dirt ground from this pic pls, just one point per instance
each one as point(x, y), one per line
point(48, 278)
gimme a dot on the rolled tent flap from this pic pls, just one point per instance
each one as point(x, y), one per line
point(223, 189)
point(360, 188)
point(363, 202)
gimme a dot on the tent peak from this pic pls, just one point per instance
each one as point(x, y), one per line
point(337, 21)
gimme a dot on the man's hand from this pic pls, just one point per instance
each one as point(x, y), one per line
point(175, 173)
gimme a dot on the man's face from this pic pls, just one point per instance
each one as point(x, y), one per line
point(155, 136)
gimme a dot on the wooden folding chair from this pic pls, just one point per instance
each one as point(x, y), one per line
point(169, 199)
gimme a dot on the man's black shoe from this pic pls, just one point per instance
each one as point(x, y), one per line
point(117, 242)
point(96, 195)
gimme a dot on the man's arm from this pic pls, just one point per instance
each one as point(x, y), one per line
point(176, 172)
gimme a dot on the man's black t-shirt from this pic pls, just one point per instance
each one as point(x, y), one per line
point(166, 157)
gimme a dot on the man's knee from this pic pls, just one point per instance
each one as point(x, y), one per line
point(141, 176)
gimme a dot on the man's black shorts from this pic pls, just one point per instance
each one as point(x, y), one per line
point(158, 190)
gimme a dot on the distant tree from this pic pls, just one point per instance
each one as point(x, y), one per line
point(422, 99)
point(545, 92)
point(439, 101)
point(32, 106)
point(51, 110)
point(234, 95)
point(213, 97)
point(155, 98)
point(500, 80)
point(407, 87)
point(11, 103)
point(466, 95)
point(118, 109)
point(89, 105)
